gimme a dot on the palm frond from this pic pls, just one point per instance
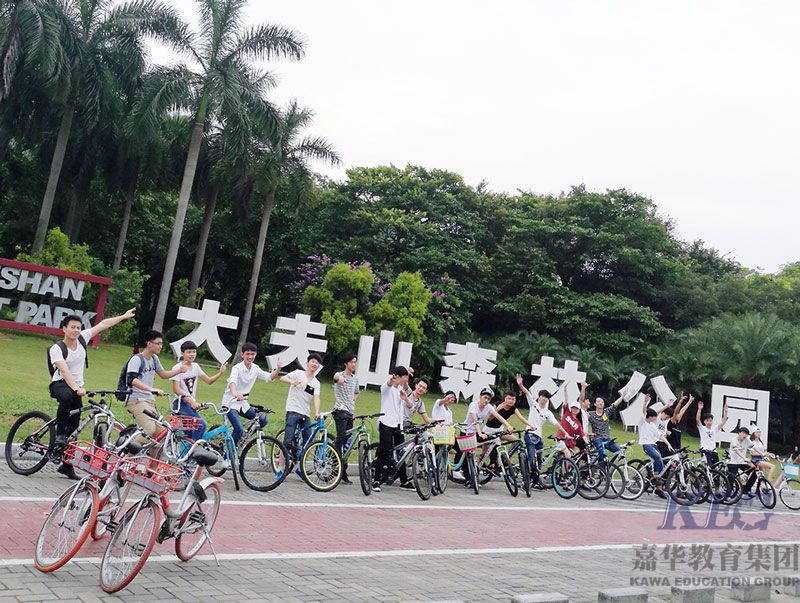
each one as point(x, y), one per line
point(266, 41)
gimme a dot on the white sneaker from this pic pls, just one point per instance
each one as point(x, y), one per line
point(458, 475)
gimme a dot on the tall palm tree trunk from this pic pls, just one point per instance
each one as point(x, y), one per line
point(180, 216)
point(130, 196)
point(52, 180)
point(202, 242)
point(269, 204)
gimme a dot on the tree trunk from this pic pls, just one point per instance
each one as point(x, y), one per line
point(269, 204)
point(72, 213)
point(52, 180)
point(202, 242)
point(130, 195)
point(180, 216)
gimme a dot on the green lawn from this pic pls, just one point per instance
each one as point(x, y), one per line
point(24, 380)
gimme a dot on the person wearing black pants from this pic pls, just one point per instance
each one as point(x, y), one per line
point(68, 400)
point(345, 391)
point(393, 395)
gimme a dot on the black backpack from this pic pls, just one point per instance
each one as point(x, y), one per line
point(122, 382)
point(64, 351)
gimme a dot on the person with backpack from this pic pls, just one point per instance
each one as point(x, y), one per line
point(66, 360)
point(139, 375)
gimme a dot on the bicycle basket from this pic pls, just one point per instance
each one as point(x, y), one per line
point(444, 434)
point(151, 474)
point(97, 462)
point(791, 470)
point(467, 443)
point(184, 423)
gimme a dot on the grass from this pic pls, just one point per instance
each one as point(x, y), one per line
point(24, 381)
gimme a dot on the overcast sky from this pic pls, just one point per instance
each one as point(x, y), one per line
point(694, 104)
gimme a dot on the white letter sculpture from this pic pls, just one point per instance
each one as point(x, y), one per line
point(382, 363)
point(207, 331)
point(631, 415)
point(467, 369)
point(547, 374)
point(746, 408)
point(297, 341)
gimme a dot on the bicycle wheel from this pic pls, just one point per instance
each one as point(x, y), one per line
point(100, 434)
point(230, 450)
point(766, 493)
point(509, 473)
point(593, 481)
point(258, 463)
point(685, 488)
point(130, 545)
point(565, 478)
point(616, 481)
point(442, 461)
point(66, 528)
point(524, 471)
point(735, 494)
point(420, 474)
point(790, 494)
point(217, 444)
point(364, 468)
point(634, 483)
point(29, 441)
point(720, 486)
point(473, 472)
point(196, 524)
point(321, 466)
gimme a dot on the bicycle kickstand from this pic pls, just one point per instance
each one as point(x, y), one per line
point(211, 545)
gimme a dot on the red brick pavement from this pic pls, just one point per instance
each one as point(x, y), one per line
point(295, 529)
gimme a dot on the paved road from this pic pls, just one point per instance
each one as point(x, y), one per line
point(295, 544)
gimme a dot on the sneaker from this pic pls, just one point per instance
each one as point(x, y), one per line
point(68, 471)
point(58, 447)
point(660, 494)
point(346, 480)
point(407, 486)
point(376, 487)
point(458, 475)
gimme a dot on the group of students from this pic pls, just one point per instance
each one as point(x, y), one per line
point(658, 430)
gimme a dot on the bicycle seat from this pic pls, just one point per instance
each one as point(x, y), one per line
point(133, 447)
point(205, 458)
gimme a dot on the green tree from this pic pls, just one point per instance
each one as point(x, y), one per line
point(223, 48)
point(402, 309)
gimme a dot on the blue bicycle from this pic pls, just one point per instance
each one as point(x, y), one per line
point(318, 461)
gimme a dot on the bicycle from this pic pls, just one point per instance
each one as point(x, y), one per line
point(419, 452)
point(190, 522)
point(788, 487)
point(319, 462)
point(359, 437)
point(625, 482)
point(556, 471)
point(31, 439)
point(479, 472)
point(765, 491)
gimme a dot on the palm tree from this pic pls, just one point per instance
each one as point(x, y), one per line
point(98, 45)
point(283, 155)
point(223, 50)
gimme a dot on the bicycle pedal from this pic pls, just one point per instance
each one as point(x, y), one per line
point(197, 517)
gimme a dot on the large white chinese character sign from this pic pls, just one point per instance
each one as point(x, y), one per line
point(631, 415)
point(300, 336)
point(383, 363)
point(467, 369)
point(207, 331)
point(547, 373)
point(746, 408)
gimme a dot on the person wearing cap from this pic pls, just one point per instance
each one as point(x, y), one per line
point(184, 386)
point(759, 455)
point(573, 426)
point(478, 413)
point(738, 461)
point(538, 415)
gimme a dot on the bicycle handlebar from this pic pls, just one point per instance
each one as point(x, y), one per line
point(108, 392)
point(364, 417)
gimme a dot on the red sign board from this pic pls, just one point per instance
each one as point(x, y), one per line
point(23, 285)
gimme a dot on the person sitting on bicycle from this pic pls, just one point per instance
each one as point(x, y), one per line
point(506, 409)
point(393, 396)
point(478, 414)
point(759, 455)
point(649, 436)
point(440, 410)
point(708, 433)
point(601, 429)
point(184, 386)
point(572, 425)
point(738, 461)
point(68, 359)
point(345, 392)
point(669, 418)
point(415, 404)
point(240, 382)
point(538, 415)
point(304, 387)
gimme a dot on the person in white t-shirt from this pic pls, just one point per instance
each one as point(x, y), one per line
point(184, 386)
point(68, 359)
point(240, 383)
point(649, 436)
point(738, 462)
point(759, 455)
point(393, 397)
point(441, 411)
point(708, 432)
point(539, 413)
point(304, 387)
